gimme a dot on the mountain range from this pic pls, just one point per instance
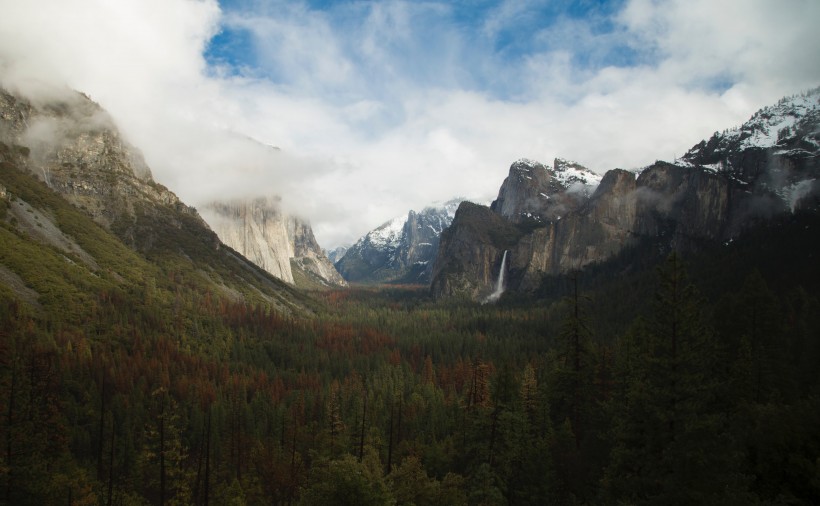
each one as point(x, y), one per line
point(146, 361)
point(555, 220)
point(548, 219)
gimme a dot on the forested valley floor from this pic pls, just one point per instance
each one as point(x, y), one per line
point(689, 381)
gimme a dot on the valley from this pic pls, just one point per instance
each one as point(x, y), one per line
point(649, 338)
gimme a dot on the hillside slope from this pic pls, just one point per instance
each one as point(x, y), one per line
point(95, 194)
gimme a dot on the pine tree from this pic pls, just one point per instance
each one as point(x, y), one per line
point(672, 442)
point(164, 452)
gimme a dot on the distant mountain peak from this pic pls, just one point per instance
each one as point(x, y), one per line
point(789, 125)
point(534, 192)
point(388, 234)
point(573, 173)
point(401, 249)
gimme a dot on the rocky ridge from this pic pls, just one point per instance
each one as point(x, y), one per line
point(73, 146)
point(532, 191)
point(401, 250)
point(768, 166)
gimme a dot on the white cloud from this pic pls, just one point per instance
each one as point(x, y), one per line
point(383, 107)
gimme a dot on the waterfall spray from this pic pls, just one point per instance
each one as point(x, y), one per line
point(499, 284)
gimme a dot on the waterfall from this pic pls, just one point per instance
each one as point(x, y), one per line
point(499, 284)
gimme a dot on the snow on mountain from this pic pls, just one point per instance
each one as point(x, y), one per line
point(777, 150)
point(533, 191)
point(388, 234)
point(400, 250)
point(772, 124)
point(572, 174)
point(722, 187)
point(790, 127)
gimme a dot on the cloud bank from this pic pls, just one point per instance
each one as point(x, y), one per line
point(380, 107)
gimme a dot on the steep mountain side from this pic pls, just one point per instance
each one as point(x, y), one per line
point(401, 250)
point(777, 149)
point(257, 230)
point(75, 148)
point(767, 167)
point(273, 240)
point(72, 146)
point(471, 253)
point(310, 265)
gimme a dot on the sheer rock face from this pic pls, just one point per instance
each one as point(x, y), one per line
point(257, 229)
point(683, 206)
point(278, 243)
point(768, 166)
point(470, 254)
point(309, 257)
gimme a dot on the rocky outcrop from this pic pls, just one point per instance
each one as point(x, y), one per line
point(401, 250)
point(73, 146)
point(255, 228)
point(768, 166)
point(532, 191)
point(310, 265)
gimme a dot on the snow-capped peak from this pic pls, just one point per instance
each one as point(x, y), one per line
point(388, 234)
point(401, 249)
point(571, 173)
point(526, 164)
point(772, 123)
point(565, 172)
point(770, 127)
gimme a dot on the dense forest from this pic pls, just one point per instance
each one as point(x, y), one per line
point(651, 379)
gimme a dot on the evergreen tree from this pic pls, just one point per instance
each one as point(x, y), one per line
point(672, 440)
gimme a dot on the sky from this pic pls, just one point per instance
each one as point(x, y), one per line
point(354, 112)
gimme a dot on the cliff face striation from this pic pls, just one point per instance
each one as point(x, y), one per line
point(553, 224)
point(281, 244)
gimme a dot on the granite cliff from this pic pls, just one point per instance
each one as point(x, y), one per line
point(550, 224)
point(281, 244)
